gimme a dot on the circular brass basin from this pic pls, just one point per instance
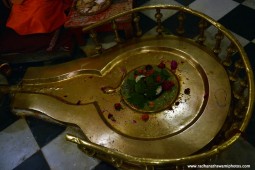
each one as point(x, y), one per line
point(172, 120)
point(153, 82)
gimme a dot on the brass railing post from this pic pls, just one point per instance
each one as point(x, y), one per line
point(99, 47)
point(137, 25)
point(202, 25)
point(219, 37)
point(181, 17)
point(114, 27)
point(158, 17)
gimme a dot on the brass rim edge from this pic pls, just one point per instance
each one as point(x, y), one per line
point(148, 161)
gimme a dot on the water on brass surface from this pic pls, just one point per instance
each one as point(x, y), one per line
point(72, 93)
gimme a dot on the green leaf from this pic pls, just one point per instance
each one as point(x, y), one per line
point(140, 87)
point(131, 82)
point(164, 74)
point(149, 80)
point(137, 100)
point(131, 85)
point(151, 93)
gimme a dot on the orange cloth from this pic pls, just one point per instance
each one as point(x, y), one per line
point(38, 16)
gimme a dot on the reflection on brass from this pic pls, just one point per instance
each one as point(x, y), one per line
point(110, 89)
point(202, 123)
point(87, 151)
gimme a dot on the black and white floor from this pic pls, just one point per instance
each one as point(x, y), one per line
point(29, 143)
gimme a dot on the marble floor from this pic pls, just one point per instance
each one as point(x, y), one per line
point(32, 144)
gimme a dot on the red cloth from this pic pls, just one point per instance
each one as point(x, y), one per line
point(38, 16)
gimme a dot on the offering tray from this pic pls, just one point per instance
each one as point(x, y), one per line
point(207, 111)
point(91, 7)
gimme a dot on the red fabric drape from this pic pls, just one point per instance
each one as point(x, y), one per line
point(37, 16)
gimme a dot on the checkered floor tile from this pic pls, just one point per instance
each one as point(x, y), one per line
point(29, 143)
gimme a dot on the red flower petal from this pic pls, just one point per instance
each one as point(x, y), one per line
point(149, 72)
point(151, 104)
point(161, 65)
point(145, 117)
point(167, 85)
point(174, 65)
point(117, 106)
point(140, 71)
point(158, 79)
point(110, 116)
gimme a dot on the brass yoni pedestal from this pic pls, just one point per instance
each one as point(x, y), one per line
point(211, 106)
point(75, 93)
